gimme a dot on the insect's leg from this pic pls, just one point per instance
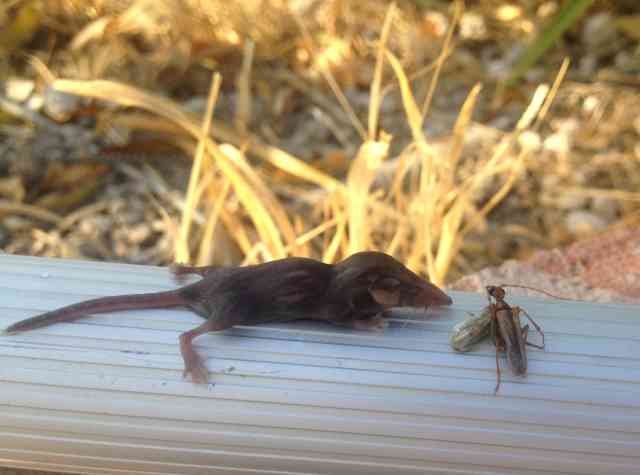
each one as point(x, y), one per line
point(192, 362)
point(495, 391)
point(494, 326)
point(540, 347)
point(537, 327)
point(497, 344)
point(525, 334)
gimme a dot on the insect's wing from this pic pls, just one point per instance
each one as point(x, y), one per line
point(520, 340)
point(509, 329)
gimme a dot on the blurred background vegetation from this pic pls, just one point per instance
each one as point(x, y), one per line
point(453, 135)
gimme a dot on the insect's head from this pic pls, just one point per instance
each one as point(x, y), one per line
point(497, 293)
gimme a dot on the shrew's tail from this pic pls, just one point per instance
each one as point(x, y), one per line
point(99, 305)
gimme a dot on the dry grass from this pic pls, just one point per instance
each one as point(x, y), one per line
point(426, 205)
point(429, 200)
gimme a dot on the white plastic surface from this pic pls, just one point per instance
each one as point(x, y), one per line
point(105, 394)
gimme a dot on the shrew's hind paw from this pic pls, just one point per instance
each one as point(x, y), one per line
point(198, 372)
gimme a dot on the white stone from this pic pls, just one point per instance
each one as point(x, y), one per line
point(580, 223)
point(18, 89)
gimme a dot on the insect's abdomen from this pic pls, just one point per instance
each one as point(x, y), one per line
point(517, 360)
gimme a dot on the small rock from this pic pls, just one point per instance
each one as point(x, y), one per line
point(536, 74)
point(550, 181)
point(606, 207)
point(196, 104)
point(557, 143)
point(500, 67)
point(587, 65)
point(625, 61)
point(139, 233)
point(508, 12)
point(436, 23)
point(547, 9)
point(636, 124)
point(87, 227)
point(530, 141)
point(568, 126)
point(15, 224)
point(599, 29)
point(570, 201)
point(35, 102)
point(590, 104)
point(60, 106)
point(582, 223)
point(473, 27)
point(18, 89)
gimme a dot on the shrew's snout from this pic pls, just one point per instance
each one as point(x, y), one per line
point(430, 295)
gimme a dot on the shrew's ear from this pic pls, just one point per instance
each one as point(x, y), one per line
point(386, 291)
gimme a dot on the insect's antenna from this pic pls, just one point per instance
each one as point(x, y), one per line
point(537, 290)
point(489, 298)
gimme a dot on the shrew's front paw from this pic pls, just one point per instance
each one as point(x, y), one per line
point(179, 272)
point(376, 323)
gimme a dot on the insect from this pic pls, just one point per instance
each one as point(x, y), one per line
point(501, 322)
point(508, 334)
point(467, 333)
